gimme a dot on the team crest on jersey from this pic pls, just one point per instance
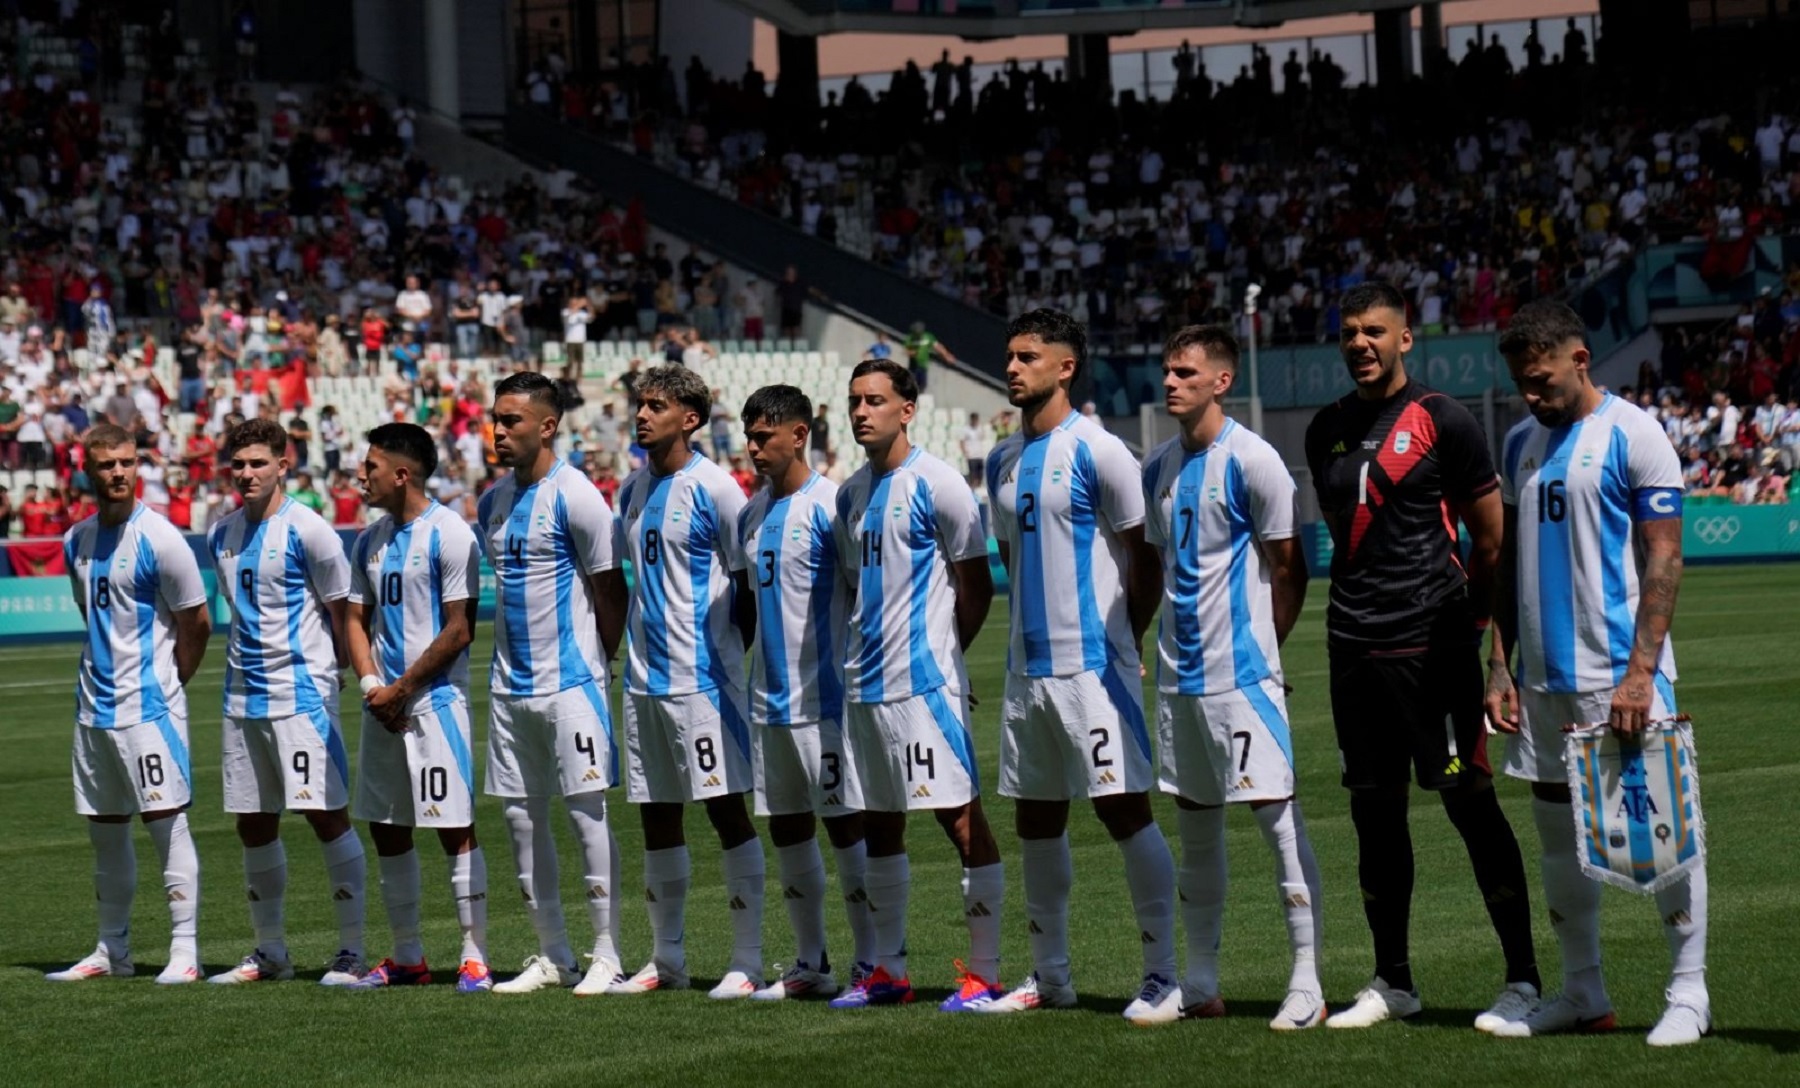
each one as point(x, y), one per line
point(1056, 475)
point(794, 533)
point(1212, 492)
point(1587, 457)
point(272, 553)
point(1402, 441)
point(899, 510)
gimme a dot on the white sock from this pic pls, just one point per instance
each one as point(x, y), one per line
point(1286, 836)
point(400, 893)
point(468, 886)
point(1683, 908)
point(1201, 880)
point(1049, 875)
point(888, 881)
point(666, 876)
point(349, 875)
point(1150, 876)
point(852, 868)
point(181, 883)
point(802, 871)
point(1574, 905)
point(984, 892)
point(265, 878)
point(745, 884)
point(599, 861)
point(534, 855)
point(115, 882)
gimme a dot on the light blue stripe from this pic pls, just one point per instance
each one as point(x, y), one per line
point(178, 749)
point(652, 594)
point(824, 602)
point(443, 691)
point(1555, 581)
point(152, 704)
point(392, 643)
point(604, 716)
point(1678, 771)
point(334, 741)
point(249, 623)
point(923, 547)
point(1030, 603)
point(571, 667)
point(459, 747)
point(1184, 600)
point(1272, 718)
point(872, 607)
point(513, 586)
point(956, 734)
point(1249, 667)
point(1131, 711)
point(1615, 544)
point(776, 692)
point(1084, 493)
point(306, 692)
point(702, 538)
point(734, 724)
point(1666, 689)
point(103, 671)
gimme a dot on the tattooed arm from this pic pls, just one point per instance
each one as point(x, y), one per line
point(1657, 590)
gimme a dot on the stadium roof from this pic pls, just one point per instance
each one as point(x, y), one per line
point(1010, 18)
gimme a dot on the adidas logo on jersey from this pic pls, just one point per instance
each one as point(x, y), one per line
point(922, 791)
point(1107, 778)
point(833, 800)
point(303, 795)
point(153, 795)
point(596, 891)
point(980, 910)
point(711, 781)
point(433, 813)
point(792, 892)
point(1244, 783)
point(737, 903)
point(592, 775)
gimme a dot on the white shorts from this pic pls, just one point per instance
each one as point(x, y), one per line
point(422, 777)
point(1226, 748)
point(558, 745)
point(1063, 737)
point(804, 767)
point(1536, 752)
point(683, 748)
point(296, 764)
point(133, 768)
point(913, 754)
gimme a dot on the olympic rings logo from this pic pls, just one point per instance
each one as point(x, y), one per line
point(1717, 530)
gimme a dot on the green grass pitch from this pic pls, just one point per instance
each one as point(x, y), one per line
point(1736, 636)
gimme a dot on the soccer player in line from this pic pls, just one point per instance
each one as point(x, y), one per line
point(908, 527)
point(1068, 510)
point(1589, 573)
point(1396, 466)
point(797, 689)
point(1221, 506)
point(282, 569)
point(414, 584)
point(549, 537)
point(687, 735)
point(139, 591)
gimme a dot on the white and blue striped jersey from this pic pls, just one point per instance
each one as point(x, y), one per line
point(796, 667)
point(1209, 510)
point(129, 581)
point(409, 577)
point(278, 574)
point(1058, 503)
point(681, 533)
point(898, 534)
point(1579, 492)
point(543, 541)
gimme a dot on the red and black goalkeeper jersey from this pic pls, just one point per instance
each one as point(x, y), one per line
point(1389, 475)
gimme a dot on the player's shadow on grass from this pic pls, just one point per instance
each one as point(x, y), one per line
point(1779, 1040)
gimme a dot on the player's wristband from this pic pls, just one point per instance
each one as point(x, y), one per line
point(369, 683)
